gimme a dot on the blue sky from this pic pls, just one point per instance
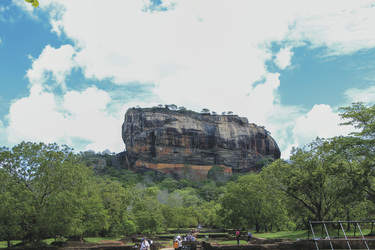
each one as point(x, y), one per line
point(70, 69)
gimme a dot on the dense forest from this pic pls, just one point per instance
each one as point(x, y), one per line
point(48, 191)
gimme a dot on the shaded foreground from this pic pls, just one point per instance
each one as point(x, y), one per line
point(256, 243)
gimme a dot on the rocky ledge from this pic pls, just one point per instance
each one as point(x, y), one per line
point(164, 140)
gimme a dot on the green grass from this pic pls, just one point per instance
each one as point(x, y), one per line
point(4, 244)
point(292, 235)
point(230, 242)
point(49, 241)
point(336, 232)
point(97, 239)
point(303, 234)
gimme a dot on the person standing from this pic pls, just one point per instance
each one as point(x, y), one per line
point(175, 244)
point(145, 245)
point(238, 236)
point(179, 246)
point(249, 236)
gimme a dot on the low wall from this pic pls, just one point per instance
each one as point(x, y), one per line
point(293, 245)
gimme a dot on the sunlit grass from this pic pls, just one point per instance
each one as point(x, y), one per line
point(338, 232)
point(4, 244)
point(229, 242)
point(98, 239)
point(304, 234)
point(293, 235)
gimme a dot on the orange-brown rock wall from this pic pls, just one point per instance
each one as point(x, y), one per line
point(200, 172)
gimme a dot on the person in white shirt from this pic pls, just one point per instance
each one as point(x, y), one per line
point(145, 245)
point(179, 242)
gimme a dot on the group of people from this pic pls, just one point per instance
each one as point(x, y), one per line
point(146, 244)
point(177, 242)
point(238, 235)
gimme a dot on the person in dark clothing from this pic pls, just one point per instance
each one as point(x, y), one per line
point(238, 236)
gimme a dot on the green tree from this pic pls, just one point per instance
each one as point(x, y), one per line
point(13, 208)
point(146, 209)
point(169, 184)
point(358, 149)
point(190, 197)
point(205, 111)
point(115, 200)
point(311, 179)
point(50, 182)
point(173, 107)
point(249, 204)
point(182, 109)
point(263, 162)
point(208, 190)
point(209, 214)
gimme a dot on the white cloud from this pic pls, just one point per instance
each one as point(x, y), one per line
point(285, 154)
point(280, 122)
point(342, 27)
point(231, 40)
point(366, 95)
point(194, 46)
point(127, 44)
point(321, 122)
point(79, 116)
point(283, 57)
point(89, 119)
point(3, 132)
point(262, 100)
point(58, 62)
point(34, 118)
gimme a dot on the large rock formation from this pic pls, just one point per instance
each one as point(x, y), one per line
point(166, 140)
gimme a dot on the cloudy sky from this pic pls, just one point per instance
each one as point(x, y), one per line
point(70, 69)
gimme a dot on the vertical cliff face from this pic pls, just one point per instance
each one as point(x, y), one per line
point(163, 139)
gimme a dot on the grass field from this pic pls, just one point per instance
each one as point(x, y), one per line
point(230, 242)
point(97, 239)
point(4, 244)
point(293, 235)
point(303, 234)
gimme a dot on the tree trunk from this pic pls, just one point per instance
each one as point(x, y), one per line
point(257, 227)
point(348, 219)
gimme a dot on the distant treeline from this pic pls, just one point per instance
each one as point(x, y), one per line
point(181, 109)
